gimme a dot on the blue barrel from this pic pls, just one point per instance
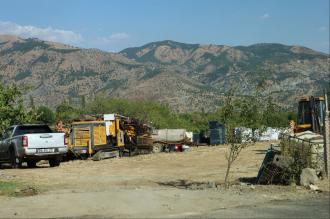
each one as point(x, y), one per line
point(217, 135)
point(196, 138)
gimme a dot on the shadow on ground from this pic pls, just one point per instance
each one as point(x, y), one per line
point(185, 184)
point(248, 180)
point(260, 151)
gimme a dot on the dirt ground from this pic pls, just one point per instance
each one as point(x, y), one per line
point(171, 185)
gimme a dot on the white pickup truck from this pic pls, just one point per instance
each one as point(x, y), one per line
point(32, 143)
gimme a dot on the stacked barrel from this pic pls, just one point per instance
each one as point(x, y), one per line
point(217, 133)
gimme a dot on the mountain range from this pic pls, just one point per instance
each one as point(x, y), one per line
point(187, 77)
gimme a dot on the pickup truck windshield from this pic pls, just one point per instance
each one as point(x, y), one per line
point(32, 129)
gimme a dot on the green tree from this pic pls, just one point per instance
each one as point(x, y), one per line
point(242, 112)
point(228, 109)
point(250, 113)
point(270, 113)
point(235, 148)
point(12, 110)
point(46, 115)
point(32, 106)
point(83, 101)
point(66, 112)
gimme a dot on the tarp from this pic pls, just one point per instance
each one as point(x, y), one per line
point(271, 134)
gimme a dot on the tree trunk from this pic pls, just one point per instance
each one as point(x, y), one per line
point(228, 169)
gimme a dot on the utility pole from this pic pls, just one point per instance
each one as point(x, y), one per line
point(326, 135)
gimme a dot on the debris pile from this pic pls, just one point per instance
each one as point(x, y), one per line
point(300, 160)
point(307, 148)
point(274, 167)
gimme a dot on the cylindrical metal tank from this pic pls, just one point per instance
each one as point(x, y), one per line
point(169, 135)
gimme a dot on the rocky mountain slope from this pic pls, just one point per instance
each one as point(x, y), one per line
point(186, 76)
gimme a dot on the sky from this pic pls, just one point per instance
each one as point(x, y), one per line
point(113, 25)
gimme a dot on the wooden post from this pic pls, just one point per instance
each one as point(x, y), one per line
point(326, 135)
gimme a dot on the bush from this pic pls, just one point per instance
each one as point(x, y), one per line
point(66, 113)
point(47, 116)
point(12, 110)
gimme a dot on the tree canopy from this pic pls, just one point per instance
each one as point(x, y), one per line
point(237, 111)
point(12, 110)
point(47, 116)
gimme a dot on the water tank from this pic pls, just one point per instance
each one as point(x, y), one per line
point(169, 135)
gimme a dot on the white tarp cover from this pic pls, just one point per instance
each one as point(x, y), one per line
point(271, 134)
point(313, 137)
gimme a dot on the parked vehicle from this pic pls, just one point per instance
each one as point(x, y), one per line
point(32, 143)
point(311, 112)
point(164, 140)
point(102, 136)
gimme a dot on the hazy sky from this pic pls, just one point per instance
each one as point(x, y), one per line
point(113, 25)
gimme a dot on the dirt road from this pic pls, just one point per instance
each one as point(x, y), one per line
point(158, 185)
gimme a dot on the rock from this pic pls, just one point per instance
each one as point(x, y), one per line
point(212, 185)
point(313, 187)
point(252, 187)
point(193, 186)
point(292, 183)
point(308, 176)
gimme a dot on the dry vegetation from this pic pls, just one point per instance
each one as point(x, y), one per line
point(172, 185)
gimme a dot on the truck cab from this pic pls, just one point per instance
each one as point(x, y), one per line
point(311, 112)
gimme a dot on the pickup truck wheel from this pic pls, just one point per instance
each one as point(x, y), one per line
point(15, 162)
point(54, 162)
point(31, 163)
point(157, 148)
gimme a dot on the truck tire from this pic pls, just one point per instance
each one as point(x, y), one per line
point(54, 162)
point(31, 163)
point(157, 148)
point(15, 162)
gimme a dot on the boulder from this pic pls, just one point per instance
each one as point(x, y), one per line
point(308, 176)
point(313, 188)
